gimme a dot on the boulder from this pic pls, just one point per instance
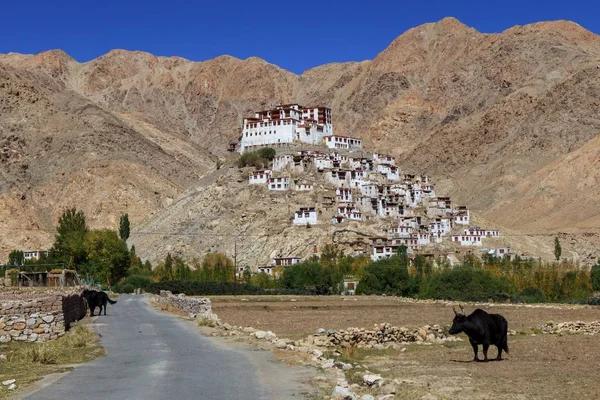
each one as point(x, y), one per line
point(342, 393)
point(372, 379)
point(281, 344)
point(12, 387)
point(8, 382)
point(367, 397)
point(48, 319)
point(260, 334)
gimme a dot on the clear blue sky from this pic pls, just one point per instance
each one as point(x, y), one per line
point(295, 35)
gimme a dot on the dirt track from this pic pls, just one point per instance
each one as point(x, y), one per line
point(538, 366)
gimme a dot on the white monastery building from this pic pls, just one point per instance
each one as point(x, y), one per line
point(342, 142)
point(259, 177)
point(279, 184)
point(305, 216)
point(286, 124)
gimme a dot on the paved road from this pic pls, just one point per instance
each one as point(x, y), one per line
point(151, 355)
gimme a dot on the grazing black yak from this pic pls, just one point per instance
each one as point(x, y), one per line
point(96, 299)
point(482, 329)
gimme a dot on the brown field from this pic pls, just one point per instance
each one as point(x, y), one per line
point(539, 366)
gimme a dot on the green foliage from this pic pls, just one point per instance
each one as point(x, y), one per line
point(16, 257)
point(108, 256)
point(214, 267)
point(464, 283)
point(127, 288)
point(557, 249)
point(182, 271)
point(164, 271)
point(200, 288)
point(69, 241)
point(137, 281)
point(595, 276)
point(532, 295)
point(388, 275)
point(312, 274)
point(256, 159)
point(267, 153)
point(247, 275)
point(124, 227)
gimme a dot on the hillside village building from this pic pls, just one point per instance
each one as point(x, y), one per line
point(342, 142)
point(279, 184)
point(285, 124)
point(34, 254)
point(259, 177)
point(305, 216)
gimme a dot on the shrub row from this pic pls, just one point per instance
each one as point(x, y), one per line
point(203, 288)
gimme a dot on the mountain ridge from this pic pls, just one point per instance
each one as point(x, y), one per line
point(481, 112)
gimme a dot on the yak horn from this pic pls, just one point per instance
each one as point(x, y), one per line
point(462, 309)
point(454, 309)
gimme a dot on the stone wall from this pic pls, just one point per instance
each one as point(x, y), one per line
point(195, 307)
point(37, 318)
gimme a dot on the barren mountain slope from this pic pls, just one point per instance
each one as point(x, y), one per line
point(129, 132)
point(564, 190)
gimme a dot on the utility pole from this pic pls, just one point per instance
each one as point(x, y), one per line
point(235, 267)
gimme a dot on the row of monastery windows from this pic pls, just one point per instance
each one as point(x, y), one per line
point(274, 123)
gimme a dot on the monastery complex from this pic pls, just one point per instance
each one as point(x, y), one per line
point(364, 186)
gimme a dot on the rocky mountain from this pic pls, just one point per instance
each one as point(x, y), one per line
point(506, 123)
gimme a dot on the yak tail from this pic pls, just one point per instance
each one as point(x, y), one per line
point(115, 302)
point(505, 345)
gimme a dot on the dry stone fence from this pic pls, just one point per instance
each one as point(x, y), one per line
point(195, 307)
point(37, 317)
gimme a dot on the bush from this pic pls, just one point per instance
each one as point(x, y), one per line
point(532, 295)
point(203, 288)
point(127, 288)
point(137, 281)
point(595, 276)
point(389, 276)
point(465, 284)
point(256, 159)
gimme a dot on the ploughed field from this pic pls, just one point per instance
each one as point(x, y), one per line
point(538, 366)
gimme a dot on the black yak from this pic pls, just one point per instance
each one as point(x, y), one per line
point(96, 299)
point(482, 329)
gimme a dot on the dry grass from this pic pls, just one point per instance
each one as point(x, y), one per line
point(28, 362)
point(538, 366)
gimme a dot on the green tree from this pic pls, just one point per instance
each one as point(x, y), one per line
point(595, 276)
point(247, 275)
point(402, 254)
point(124, 227)
point(182, 271)
point(166, 269)
point(216, 267)
point(69, 241)
point(106, 251)
point(16, 257)
point(557, 249)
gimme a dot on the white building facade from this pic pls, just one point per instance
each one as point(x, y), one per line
point(285, 124)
